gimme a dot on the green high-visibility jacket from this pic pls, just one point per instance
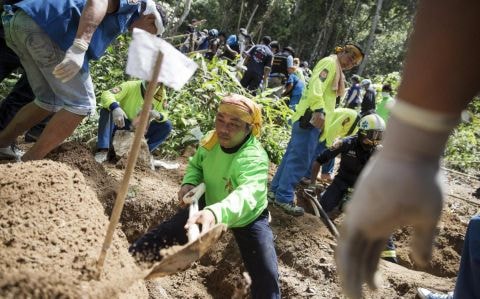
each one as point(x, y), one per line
point(236, 184)
point(342, 120)
point(130, 98)
point(319, 93)
point(384, 106)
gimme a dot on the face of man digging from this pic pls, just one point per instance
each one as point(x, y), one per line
point(231, 130)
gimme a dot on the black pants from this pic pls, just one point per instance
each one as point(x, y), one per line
point(251, 81)
point(255, 242)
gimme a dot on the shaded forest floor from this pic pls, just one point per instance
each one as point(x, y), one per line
point(32, 191)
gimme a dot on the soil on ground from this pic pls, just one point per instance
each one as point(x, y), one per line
point(55, 215)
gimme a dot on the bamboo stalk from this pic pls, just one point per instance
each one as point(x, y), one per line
point(131, 161)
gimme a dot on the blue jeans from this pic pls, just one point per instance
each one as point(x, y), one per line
point(255, 242)
point(299, 153)
point(327, 167)
point(156, 133)
point(468, 280)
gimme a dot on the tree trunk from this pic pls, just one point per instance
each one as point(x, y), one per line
point(331, 25)
point(324, 31)
point(240, 16)
point(186, 11)
point(352, 20)
point(371, 37)
point(264, 18)
point(251, 17)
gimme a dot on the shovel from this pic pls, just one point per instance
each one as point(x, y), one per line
point(178, 258)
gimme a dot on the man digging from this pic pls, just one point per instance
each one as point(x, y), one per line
point(234, 167)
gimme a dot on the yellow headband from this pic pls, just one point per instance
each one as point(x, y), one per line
point(245, 109)
point(353, 49)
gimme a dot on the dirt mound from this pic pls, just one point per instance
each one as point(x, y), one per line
point(79, 157)
point(52, 229)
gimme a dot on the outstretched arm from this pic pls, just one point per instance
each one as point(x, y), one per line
point(416, 134)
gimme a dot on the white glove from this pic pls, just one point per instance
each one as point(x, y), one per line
point(152, 8)
point(400, 186)
point(73, 61)
point(119, 117)
point(155, 114)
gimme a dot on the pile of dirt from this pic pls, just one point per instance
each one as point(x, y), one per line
point(52, 229)
point(79, 157)
point(151, 194)
point(304, 246)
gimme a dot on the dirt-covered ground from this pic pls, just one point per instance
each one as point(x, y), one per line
point(55, 214)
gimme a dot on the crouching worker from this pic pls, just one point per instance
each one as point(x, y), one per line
point(234, 167)
point(120, 110)
point(355, 152)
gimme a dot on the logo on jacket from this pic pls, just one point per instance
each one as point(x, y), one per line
point(323, 75)
point(228, 185)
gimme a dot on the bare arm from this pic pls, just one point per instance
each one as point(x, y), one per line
point(92, 15)
point(441, 74)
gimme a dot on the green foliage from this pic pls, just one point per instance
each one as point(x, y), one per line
point(196, 105)
point(463, 147)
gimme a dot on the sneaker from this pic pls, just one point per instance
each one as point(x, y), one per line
point(101, 156)
point(10, 153)
point(290, 208)
point(271, 197)
point(305, 181)
point(427, 294)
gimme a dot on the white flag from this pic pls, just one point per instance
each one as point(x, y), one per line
point(176, 68)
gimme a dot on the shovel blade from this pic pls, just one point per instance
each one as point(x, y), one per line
point(178, 258)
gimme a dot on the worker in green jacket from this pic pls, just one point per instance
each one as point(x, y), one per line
point(386, 103)
point(234, 167)
point(344, 123)
point(312, 115)
point(120, 108)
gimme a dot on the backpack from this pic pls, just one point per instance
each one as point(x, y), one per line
point(279, 64)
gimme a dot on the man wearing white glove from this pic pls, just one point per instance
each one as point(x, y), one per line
point(120, 108)
point(55, 43)
point(416, 134)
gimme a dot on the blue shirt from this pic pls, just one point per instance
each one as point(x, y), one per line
point(60, 19)
point(232, 41)
point(298, 84)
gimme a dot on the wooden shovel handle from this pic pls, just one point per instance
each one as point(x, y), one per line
point(193, 196)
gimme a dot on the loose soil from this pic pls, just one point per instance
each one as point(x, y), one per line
point(55, 214)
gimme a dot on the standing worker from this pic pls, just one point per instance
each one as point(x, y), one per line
point(424, 115)
point(55, 43)
point(234, 167)
point(386, 103)
point(315, 106)
point(258, 62)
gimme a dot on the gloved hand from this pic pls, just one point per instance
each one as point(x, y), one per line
point(156, 115)
point(400, 186)
point(151, 8)
point(203, 217)
point(119, 117)
point(73, 61)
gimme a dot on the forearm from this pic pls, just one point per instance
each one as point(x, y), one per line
point(266, 73)
point(315, 169)
point(92, 15)
point(440, 31)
